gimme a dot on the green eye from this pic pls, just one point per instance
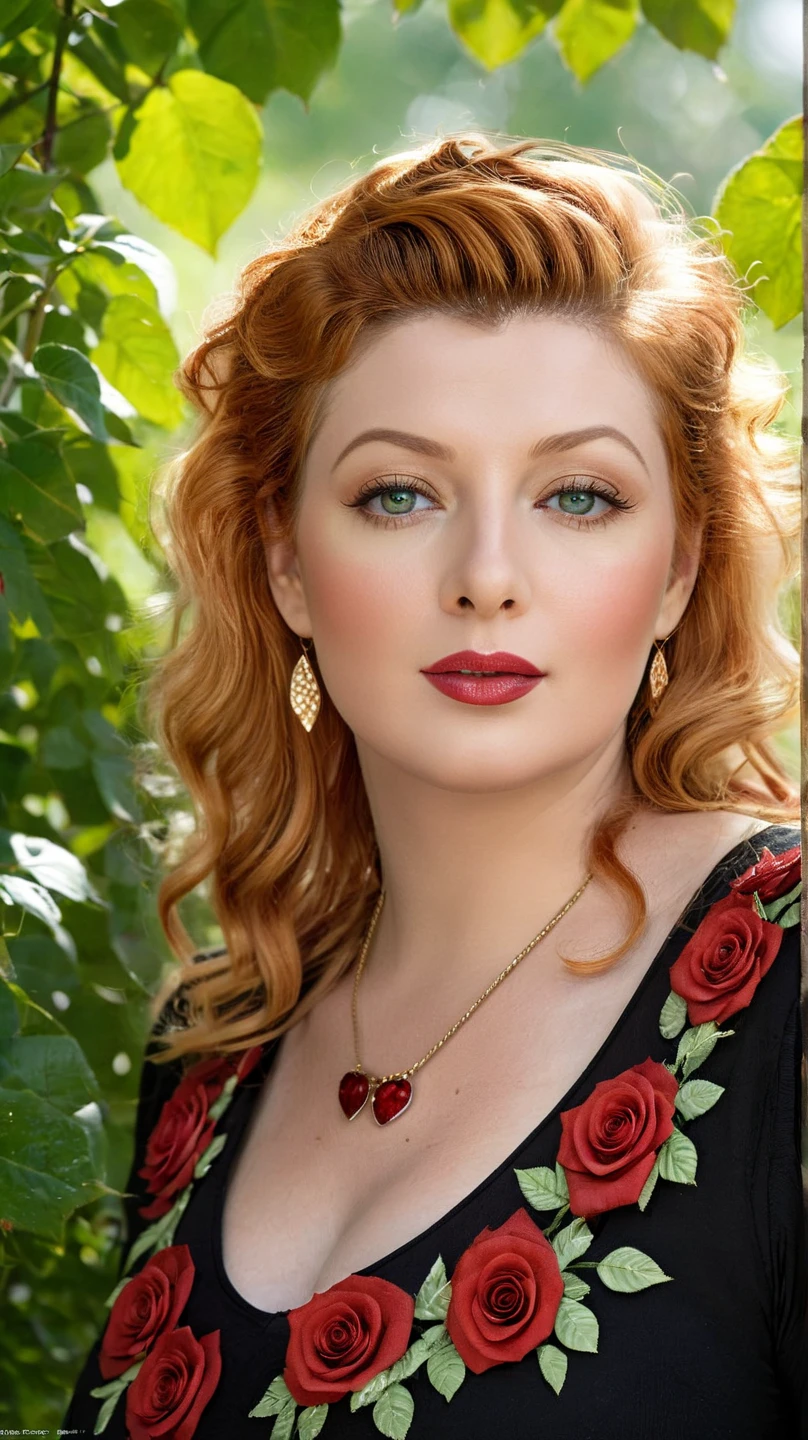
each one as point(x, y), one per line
point(397, 499)
point(580, 501)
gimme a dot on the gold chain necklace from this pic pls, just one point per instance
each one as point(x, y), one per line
point(391, 1094)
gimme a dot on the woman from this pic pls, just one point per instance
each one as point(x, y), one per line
point(483, 534)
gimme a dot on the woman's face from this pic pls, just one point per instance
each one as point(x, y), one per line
point(475, 434)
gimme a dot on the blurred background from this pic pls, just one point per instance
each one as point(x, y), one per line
point(401, 78)
point(147, 153)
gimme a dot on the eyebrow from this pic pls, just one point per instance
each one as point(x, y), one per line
point(548, 445)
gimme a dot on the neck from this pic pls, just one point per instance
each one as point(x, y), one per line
point(470, 878)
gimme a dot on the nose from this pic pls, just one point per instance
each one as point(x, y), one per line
point(486, 568)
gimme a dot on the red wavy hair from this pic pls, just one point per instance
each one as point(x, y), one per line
point(282, 834)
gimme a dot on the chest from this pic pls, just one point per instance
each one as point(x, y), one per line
point(312, 1197)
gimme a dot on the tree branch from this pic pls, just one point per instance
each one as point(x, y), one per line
point(62, 34)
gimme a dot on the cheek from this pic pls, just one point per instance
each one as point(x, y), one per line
point(608, 606)
point(356, 608)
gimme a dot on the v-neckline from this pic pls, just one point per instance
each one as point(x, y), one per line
point(240, 1111)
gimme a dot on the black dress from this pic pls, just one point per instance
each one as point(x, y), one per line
point(718, 1351)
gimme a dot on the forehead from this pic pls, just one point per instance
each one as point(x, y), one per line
point(471, 383)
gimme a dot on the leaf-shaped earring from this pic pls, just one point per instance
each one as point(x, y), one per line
point(658, 677)
point(304, 692)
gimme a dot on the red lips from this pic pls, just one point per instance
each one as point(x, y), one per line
point(499, 661)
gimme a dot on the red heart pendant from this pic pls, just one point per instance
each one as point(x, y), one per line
point(353, 1092)
point(391, 1100)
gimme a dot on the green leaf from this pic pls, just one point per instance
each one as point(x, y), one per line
point(697, 1044)
point(432, 1300)
point(371, 1390)
point(82, 140)
point(9, 155)
point(435, 1335)
point(149, 30)
point(175, 1215)
point(446, 1369)
point(36, 487)
point(561, 1183)
point(205, 1160)
point(648, 1188)
point(159, 1234)
point(697, 1096)
point(700, 25)
point(71, 379)
point(590, 32)
point(274, 1399)
point(137, 354)
point(627, 1269)
point(25, 190)
point(498, 30)
point(23, 595)
point(572, 1241)
point(33, 898)
point(53, 866)
point(540, 1189)
point(678, 1159)
point(759, 205)
point(106, 269)
point(285, 1422)
point(393, 1412)
point(791, 916)
point(266, 45)
point(759, 906)
point(782, 902)
point(219, 1105)
point(53, 1067)
point(311, 1421)
point(9, 1014)
point(61, 749)
point(576, 1326)
point(194, 156)
point(553, 1365)
point(673, 1015)
point(409, 1362)
point(105, 1413)
point(114, 1387)
point(574, 1287)
point(113, 776)
point(47, 1167)
point(100, 63)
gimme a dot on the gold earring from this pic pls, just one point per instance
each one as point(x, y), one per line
point(658, 677)
point(304, 692)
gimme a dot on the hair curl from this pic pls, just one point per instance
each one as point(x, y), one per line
point(483, 231)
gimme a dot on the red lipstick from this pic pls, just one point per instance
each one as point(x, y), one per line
point(494, 679)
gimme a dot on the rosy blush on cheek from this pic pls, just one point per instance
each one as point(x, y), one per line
point(602, 628)
point(366, 620)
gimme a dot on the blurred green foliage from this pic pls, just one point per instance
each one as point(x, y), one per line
point(192, 121)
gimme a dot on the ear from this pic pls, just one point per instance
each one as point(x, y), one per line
point(285, 580)
point(682, 579)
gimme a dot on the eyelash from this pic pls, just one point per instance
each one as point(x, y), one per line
point(373, 488)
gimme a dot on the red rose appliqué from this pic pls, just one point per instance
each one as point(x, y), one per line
point(609, 1143)
point(722, 964)
point(148, 1305)
point(184, 1129)
point(173, 1386)
point(344, 1336)
point(506, 1290)
point(772, 875)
